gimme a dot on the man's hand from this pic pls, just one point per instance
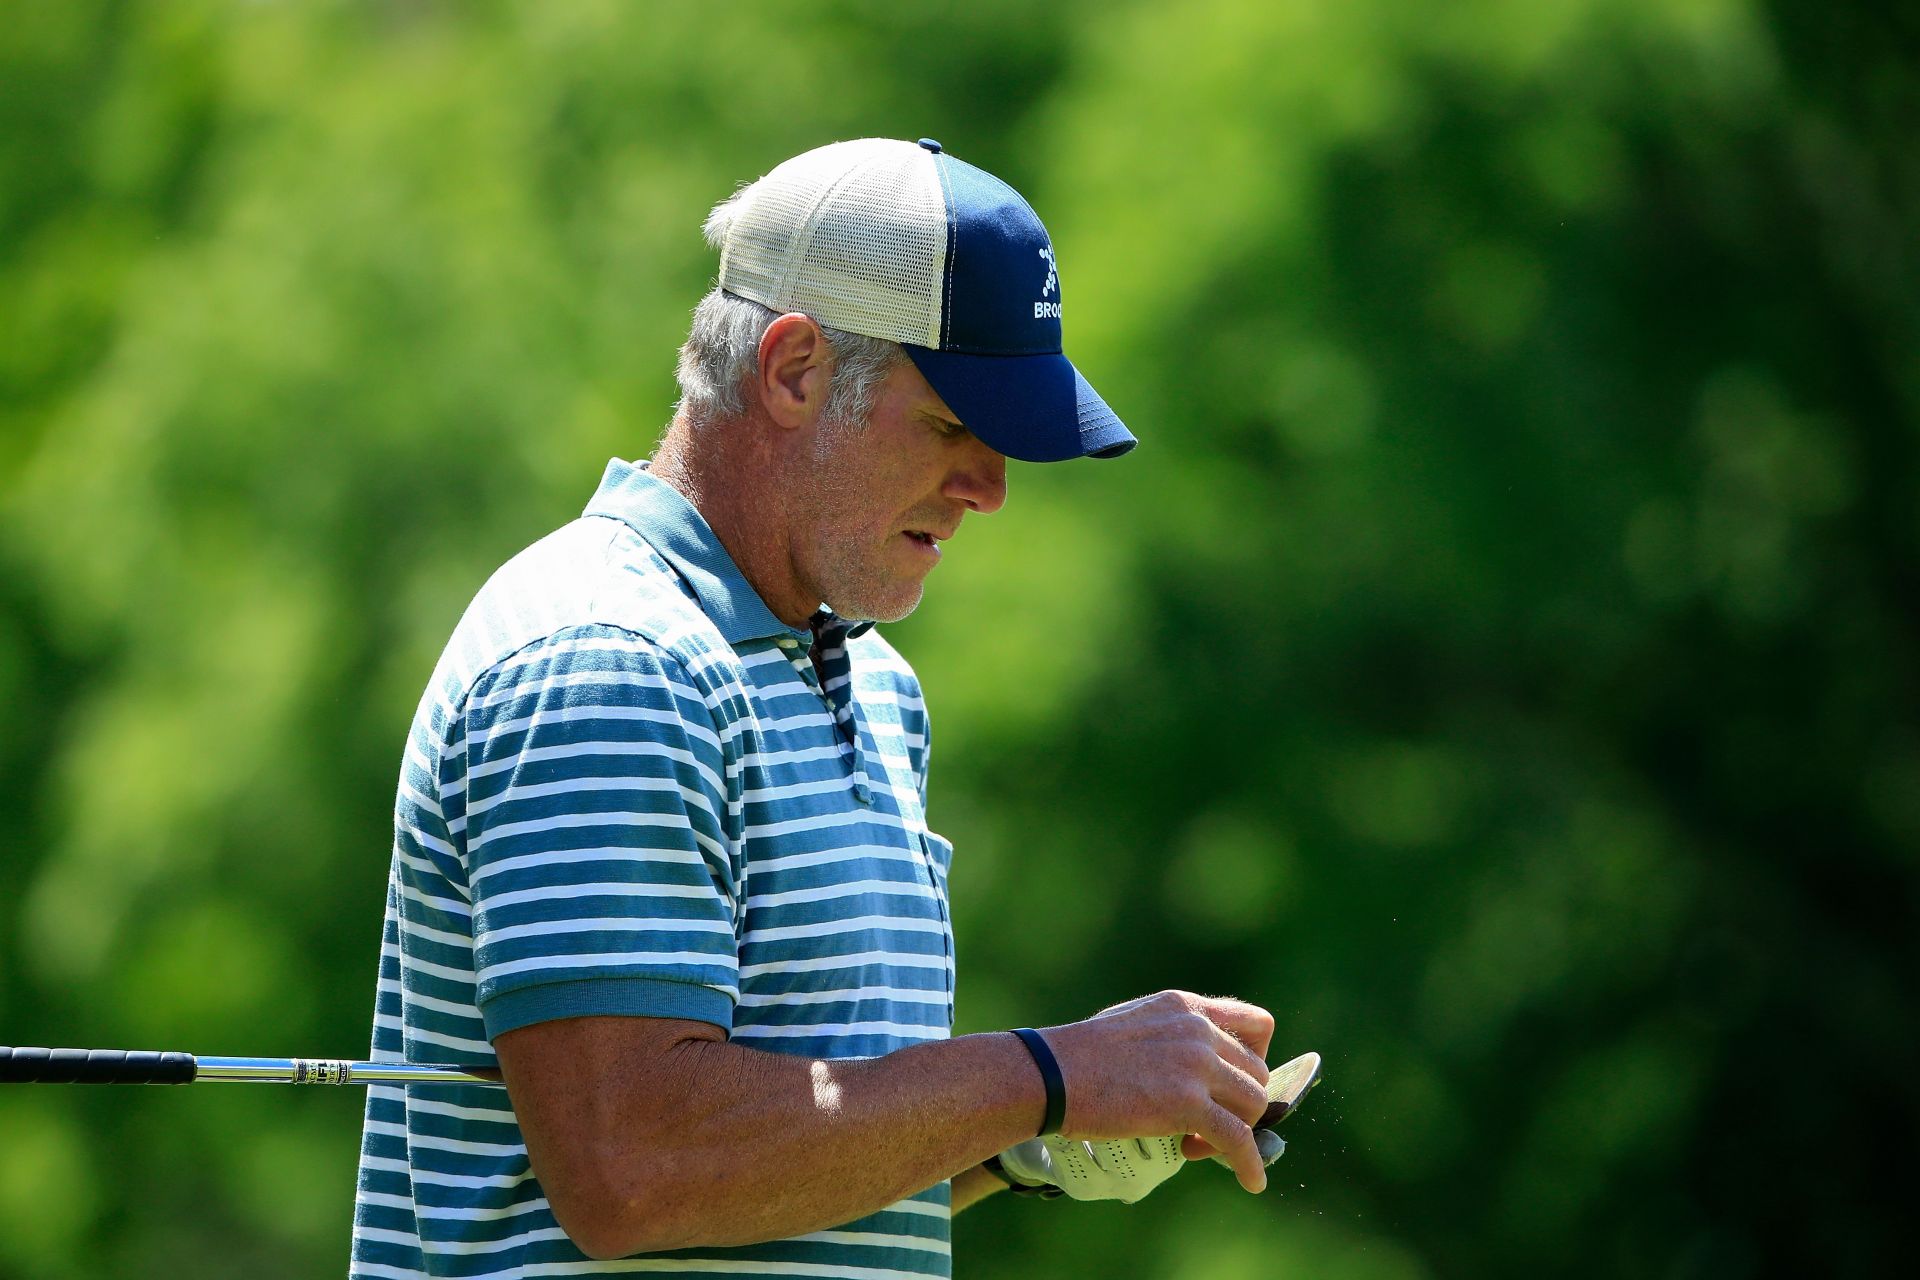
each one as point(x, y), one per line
point(1171, 1063)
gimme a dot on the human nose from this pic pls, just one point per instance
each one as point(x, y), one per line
point(981, 482)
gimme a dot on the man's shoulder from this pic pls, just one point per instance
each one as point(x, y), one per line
point(591, 581)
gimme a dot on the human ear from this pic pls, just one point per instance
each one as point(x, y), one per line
point(796, 366)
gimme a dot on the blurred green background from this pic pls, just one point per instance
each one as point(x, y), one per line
point(1499, 658)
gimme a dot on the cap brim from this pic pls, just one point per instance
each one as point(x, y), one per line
point(1033, 408)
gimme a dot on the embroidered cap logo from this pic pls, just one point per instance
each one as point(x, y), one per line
point(1043, 310)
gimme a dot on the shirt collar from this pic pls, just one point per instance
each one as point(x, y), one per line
point(672, 526)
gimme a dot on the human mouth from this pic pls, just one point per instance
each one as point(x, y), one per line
point(927, 542)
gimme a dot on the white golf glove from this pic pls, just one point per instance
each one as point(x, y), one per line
point(1123, 1169)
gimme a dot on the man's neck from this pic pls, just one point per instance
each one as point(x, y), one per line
point(726, 479)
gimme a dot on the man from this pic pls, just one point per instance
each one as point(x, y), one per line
point(661, 845)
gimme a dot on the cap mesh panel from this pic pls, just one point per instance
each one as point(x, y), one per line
point(854, 234)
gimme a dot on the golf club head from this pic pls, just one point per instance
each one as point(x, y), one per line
point(1287, 1084)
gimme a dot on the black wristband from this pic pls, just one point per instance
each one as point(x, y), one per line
point(1049, 1076)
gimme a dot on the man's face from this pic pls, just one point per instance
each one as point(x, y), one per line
point(883, 496)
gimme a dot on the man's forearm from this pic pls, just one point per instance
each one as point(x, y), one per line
point(761, 1146)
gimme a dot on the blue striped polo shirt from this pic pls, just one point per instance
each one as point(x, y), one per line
point(629, 789)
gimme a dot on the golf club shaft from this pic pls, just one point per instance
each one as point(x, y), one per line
point(125, 1066)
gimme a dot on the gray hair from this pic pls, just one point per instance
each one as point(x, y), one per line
point(723, 350)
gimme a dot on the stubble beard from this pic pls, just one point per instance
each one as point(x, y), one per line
point(853, 578)
point(875, 601)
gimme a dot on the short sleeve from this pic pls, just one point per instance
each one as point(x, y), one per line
point(596, 839)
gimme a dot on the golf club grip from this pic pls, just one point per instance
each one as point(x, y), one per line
point(94, 1066)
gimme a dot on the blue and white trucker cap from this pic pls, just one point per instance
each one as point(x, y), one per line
point(901, 241)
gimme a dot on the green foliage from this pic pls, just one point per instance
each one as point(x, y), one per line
point(1498, 659)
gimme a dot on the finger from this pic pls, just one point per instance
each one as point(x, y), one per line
point(1236, 1053)
point(1195, 1147)
point(1239, 1092)
point(1251, 1025)
point(1271, 1145)
point(1233, 1138)
point(1119, 1155)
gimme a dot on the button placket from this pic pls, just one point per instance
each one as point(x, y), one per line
point(831, 663)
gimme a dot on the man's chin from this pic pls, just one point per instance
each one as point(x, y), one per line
point(880, 606)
